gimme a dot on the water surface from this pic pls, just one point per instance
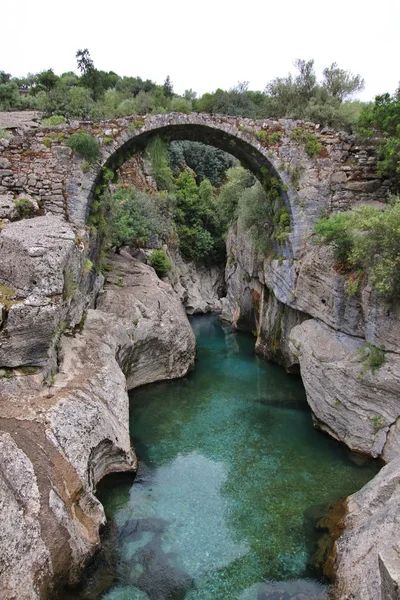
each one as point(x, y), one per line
point(232, 480)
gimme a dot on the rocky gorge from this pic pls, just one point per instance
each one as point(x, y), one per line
point(71, 346)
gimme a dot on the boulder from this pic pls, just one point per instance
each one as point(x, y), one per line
point(163, 342)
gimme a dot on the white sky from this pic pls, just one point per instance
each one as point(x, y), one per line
point(207, 43)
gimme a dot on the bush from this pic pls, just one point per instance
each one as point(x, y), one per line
point(367, 239)
point(85, 145)
point(53, 121)
point(206, 161)
point(24, 207)
point(313, 147)
point(261, 136)
point(135, 217)
point(237, 180)
point(383, 118)
point(160, 262)
point(372, 357)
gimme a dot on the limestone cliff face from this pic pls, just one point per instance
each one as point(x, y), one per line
point(199, 287)
point(368, 550)
point(57, 441)
point(44, 288)
point(304, 318)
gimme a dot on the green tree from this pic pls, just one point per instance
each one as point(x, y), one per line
point(160, 262)
point(168, 87)
point(341, 84)
point(45, 80)
point(135, 217)
point(238, 180)
point(91, 77)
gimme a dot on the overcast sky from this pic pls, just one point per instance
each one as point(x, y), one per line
point(205, 44)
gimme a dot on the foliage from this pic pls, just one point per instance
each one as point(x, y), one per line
point(367, 239)
point(160, 262)
point(134, 216)
point(206, 161)
point(274, 137)
point(256, 214)
point(70, 285)
point(238, 180)
point(372, 357)
point(168, 88)
point(24, 207)
point(96, 95)
point(313, 147)
point(383, 118)
point(162, 172)
point(53, 121)
point(198, 226)
point(4, 134)
point(87, 266)
point(341, 84)
point(261, 136)
point(85, 145)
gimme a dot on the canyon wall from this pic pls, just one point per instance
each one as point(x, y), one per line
point(304, 318)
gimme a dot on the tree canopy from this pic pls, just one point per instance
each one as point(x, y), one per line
point(95, 94)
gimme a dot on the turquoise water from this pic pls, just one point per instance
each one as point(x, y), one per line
point(232, 479)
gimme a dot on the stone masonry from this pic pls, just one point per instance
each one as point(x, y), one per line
point(36, 163)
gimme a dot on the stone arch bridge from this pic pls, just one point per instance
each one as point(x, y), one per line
point(37, 164)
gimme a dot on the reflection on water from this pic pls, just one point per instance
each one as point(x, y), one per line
point(231, 482)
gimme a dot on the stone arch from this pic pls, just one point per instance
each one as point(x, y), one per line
point(229, 135)
point(343, 172)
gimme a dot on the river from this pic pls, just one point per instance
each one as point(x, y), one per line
point(232, 480)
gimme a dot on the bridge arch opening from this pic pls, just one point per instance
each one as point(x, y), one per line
point(242, 145)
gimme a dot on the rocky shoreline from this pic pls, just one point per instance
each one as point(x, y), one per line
point(58, 441)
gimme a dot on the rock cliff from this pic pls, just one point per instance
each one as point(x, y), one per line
point(58, 440)
point(347, 348)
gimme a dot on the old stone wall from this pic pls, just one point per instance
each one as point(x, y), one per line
point(36, 163)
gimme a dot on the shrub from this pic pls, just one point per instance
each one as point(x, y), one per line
point(274, 137)
point(367, 239)
point(85, 145)
point(47, 142)
point(313, 147)
point(134, 217)
point(159, 159)
point(160, 262)
point(53, 121)
point(372, 357)
point(24, 207)
point(87, 266)
point(70, 285)
point(261, 136)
